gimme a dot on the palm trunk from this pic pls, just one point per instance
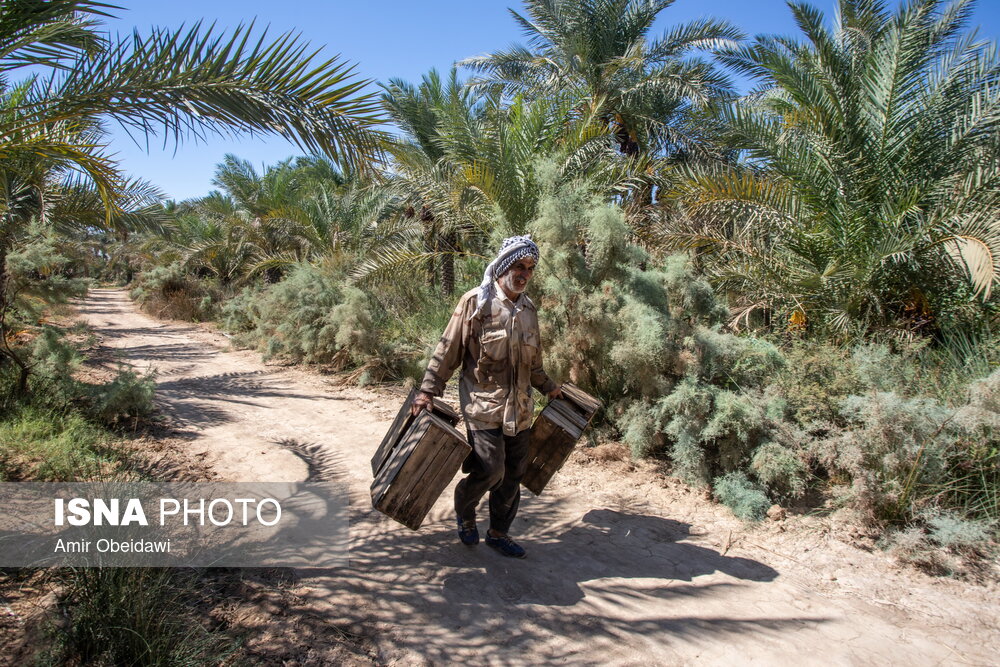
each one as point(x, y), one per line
point(430, 243)
point(448, 245)
point(626, 139)
point(5, 349)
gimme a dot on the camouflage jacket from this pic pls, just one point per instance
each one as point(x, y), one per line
point(500, 353)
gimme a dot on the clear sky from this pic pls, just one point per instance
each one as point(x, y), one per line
point(387, 39)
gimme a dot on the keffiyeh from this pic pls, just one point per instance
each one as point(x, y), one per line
point(511, 250)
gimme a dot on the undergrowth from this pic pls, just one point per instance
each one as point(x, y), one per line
point(312, 316)
point(44, 445)
point(59, 430)
point(134, 616)
point(64, 430)
point(171, 292)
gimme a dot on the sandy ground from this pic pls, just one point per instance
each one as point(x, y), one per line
point(625, 565)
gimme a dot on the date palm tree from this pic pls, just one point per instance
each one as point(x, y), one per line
point(262, 223)
point(183, 83)
point(599, 53)
point(871, 188)
point(439, 204)
point(468, 162)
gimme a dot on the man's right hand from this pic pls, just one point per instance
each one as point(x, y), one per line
point(422, 401)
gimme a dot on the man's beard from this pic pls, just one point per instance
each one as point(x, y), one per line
point(507, 282)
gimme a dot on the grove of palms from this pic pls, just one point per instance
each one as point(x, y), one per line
point(790, 289)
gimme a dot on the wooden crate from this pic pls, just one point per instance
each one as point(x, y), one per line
point(555, 433)
point(415, 462)
point(402, 422)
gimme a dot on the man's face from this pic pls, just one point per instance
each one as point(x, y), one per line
point(516, 279)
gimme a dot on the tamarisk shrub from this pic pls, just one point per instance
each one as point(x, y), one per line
point(312, 316)
point(646, 336)
point(171, 291)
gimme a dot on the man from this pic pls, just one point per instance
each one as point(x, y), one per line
point(493, 336)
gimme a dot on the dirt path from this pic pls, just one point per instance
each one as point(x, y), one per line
point(624, 566)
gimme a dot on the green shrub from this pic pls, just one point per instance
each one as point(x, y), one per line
point(746, 499)
point(54, 362)
point(645, 335)
point(943, 542)
point(904, 427)
point(890, 447)
point(880, 369)
point(780, 469)
point(171, 292)
point(604, 319)
point(713, 429)
point(312, 316)
point(735, 362)
point(241, 315)
point(941, 369)
point(973, 476)
point(640, 430)
point(902, 453)
point(38, 277)
point(815, 380)
point(127, 395)
point(948, 530)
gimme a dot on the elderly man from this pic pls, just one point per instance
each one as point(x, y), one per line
point(493, 335)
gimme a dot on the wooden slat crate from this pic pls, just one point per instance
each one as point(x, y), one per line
point(402, 422)
point(415, 462)
point(555, 433)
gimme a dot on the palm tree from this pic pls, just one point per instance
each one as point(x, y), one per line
point(468, 163)
point(263, 223)
point(599, 54)
point(212, 236)
point(184, 83)
point(437, 197)
point(871, 180)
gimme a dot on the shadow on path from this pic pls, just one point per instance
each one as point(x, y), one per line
point(208, 400)
point(608, 574)
point(322, 463)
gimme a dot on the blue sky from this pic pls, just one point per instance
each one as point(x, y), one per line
point(387, 39)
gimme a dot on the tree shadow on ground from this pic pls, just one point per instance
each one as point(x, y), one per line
point(207, 400)
point(172, 352)
point(609, 575)
point(610, 544)
point(322, 463)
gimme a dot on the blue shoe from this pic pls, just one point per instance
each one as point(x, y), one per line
point(505, 545)
point(467, 532)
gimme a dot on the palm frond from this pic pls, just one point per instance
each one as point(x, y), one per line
point(191, 81)
point(48, 34)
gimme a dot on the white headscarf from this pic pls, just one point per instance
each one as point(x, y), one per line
point(511, 250)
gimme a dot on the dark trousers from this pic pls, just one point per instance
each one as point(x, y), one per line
point(497, 464)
